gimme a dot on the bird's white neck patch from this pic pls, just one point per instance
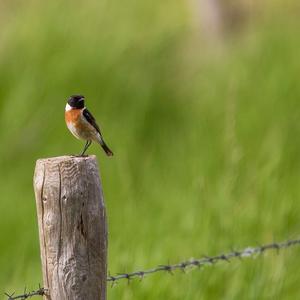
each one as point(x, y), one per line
point(68, 107)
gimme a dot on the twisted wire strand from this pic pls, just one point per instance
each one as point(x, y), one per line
point(183, 266)
point(39, 292)
point(207, 260)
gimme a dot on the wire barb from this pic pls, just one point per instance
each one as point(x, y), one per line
point(39, 292)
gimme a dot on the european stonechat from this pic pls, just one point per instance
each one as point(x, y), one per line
point(82, 124)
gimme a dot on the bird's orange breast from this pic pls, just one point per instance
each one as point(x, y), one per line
point(73, 115)
point(80, 127)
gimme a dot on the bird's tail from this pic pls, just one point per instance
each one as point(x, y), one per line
point(105, 148)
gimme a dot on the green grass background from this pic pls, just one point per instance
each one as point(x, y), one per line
point(206, 139)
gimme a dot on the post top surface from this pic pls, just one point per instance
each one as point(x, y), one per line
point(65, 158)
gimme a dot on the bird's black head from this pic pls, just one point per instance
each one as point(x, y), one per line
point(76, 101)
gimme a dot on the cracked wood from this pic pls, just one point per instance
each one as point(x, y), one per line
point(72, 227)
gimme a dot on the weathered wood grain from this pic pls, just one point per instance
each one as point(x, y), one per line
point(72, 227)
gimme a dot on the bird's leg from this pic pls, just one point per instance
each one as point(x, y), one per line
point(87, 144)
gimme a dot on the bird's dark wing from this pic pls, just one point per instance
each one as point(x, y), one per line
point(89, 117)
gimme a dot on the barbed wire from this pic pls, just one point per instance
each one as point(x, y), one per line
point(206, 260)
point(39, 292)
point(183, 266)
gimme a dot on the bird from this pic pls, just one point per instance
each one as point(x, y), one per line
point(82, 124)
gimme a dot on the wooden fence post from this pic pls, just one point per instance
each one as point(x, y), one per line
point(72, 227)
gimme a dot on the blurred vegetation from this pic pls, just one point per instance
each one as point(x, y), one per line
point(206, 138)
